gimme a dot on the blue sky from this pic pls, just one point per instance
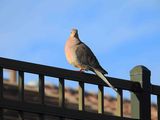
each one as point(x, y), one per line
point(121, 33)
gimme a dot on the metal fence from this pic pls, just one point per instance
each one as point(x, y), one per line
point(139, 86)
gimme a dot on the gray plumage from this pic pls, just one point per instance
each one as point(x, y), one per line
point(86, 58)
point(80, 55)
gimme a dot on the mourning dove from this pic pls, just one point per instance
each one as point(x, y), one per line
point(80, 55)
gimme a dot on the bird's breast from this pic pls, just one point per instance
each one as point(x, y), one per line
point(70, 53)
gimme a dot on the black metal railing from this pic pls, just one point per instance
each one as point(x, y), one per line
point(139, 86)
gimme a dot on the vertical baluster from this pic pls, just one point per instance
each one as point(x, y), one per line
point(158, 104)
point(100, 99)
point(21, 85)
point(61, 92)
point(41, 93)
point(41, 117)
point(81, 96)
point(1, 114)
point(21, 91)
point(61, 95)
point(1, 92)
point(41, 89)
point(1, 83)
point(21, 115)
point(119, 109)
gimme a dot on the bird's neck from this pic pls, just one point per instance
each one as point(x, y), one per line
point(74, 40)
point(74, 35)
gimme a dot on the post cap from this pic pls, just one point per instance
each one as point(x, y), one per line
point(139, 70)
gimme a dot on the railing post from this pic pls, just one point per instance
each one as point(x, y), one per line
point(141, 102)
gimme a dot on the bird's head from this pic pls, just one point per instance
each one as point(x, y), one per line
point(74, 33)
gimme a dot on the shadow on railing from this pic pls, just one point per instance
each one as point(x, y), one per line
point(139, 86)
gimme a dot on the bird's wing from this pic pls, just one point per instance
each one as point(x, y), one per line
point(86, 57)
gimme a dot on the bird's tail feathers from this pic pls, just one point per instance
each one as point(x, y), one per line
point(104, 79)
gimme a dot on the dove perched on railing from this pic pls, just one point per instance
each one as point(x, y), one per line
point(80, 55)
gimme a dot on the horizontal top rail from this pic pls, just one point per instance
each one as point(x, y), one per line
point(67, 74)
point(155, 89)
